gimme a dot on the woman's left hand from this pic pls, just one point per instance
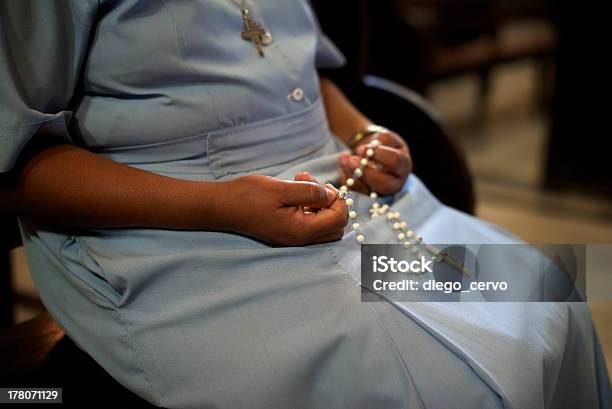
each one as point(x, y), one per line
point(386, 171)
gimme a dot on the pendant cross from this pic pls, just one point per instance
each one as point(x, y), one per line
point(253, 32)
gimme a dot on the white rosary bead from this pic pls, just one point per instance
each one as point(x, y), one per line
point(409, 239)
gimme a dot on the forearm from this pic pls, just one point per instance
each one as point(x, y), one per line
point(67, 185)
point(344, 119)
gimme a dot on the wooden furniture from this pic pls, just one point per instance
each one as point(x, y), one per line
point(416, 42)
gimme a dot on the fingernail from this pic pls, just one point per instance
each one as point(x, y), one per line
point(331, 195)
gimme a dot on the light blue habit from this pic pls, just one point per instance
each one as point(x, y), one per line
point(207, 320)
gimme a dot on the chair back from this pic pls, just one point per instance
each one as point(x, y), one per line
point(437, 160)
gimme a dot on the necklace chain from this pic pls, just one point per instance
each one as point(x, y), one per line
point(242, 5)
point(253, 31)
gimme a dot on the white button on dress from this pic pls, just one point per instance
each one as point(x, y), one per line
point(297, 94)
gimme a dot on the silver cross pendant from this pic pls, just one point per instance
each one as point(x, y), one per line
point(253, 32)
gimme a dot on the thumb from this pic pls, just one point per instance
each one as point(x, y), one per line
point(304, 177)
point(303, 193)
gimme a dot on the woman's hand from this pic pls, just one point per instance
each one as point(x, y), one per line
point(387, 170)
point(289, 213)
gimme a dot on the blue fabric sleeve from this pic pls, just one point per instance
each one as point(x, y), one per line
point(327, 55)
point(42, 48)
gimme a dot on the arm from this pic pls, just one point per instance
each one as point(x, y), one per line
point(67, 185)
point(344, 119)
point(391, 164)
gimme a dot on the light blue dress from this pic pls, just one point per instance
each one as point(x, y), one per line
point(208, 319)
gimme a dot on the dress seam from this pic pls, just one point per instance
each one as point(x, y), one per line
point(384, 327)
point(182, 49)
point(139, 361)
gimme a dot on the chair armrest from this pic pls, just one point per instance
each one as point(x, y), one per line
point(405, 93)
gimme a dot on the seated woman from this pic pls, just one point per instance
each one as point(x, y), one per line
point(168, 234)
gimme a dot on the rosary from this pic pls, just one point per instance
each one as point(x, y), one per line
point(408, 238)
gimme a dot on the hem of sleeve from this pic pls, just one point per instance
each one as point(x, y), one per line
point(14, 139)
point(328, 54)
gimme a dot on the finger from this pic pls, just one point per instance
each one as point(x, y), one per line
point(393, 160)
point(326, 221)
point(381, 182)
point(304, 177)
point(329, 237)
point(386, 138)
point(343, 161)
point(331, 187)
point(347, 169)
point(298, 193)
point(358, 185)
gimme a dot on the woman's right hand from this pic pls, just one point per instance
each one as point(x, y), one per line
point(274, 210)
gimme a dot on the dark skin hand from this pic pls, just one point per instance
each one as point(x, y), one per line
point(107, 194)
point(388, 168)
point(391, 163)
point(69, 186)
point(287, 213)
